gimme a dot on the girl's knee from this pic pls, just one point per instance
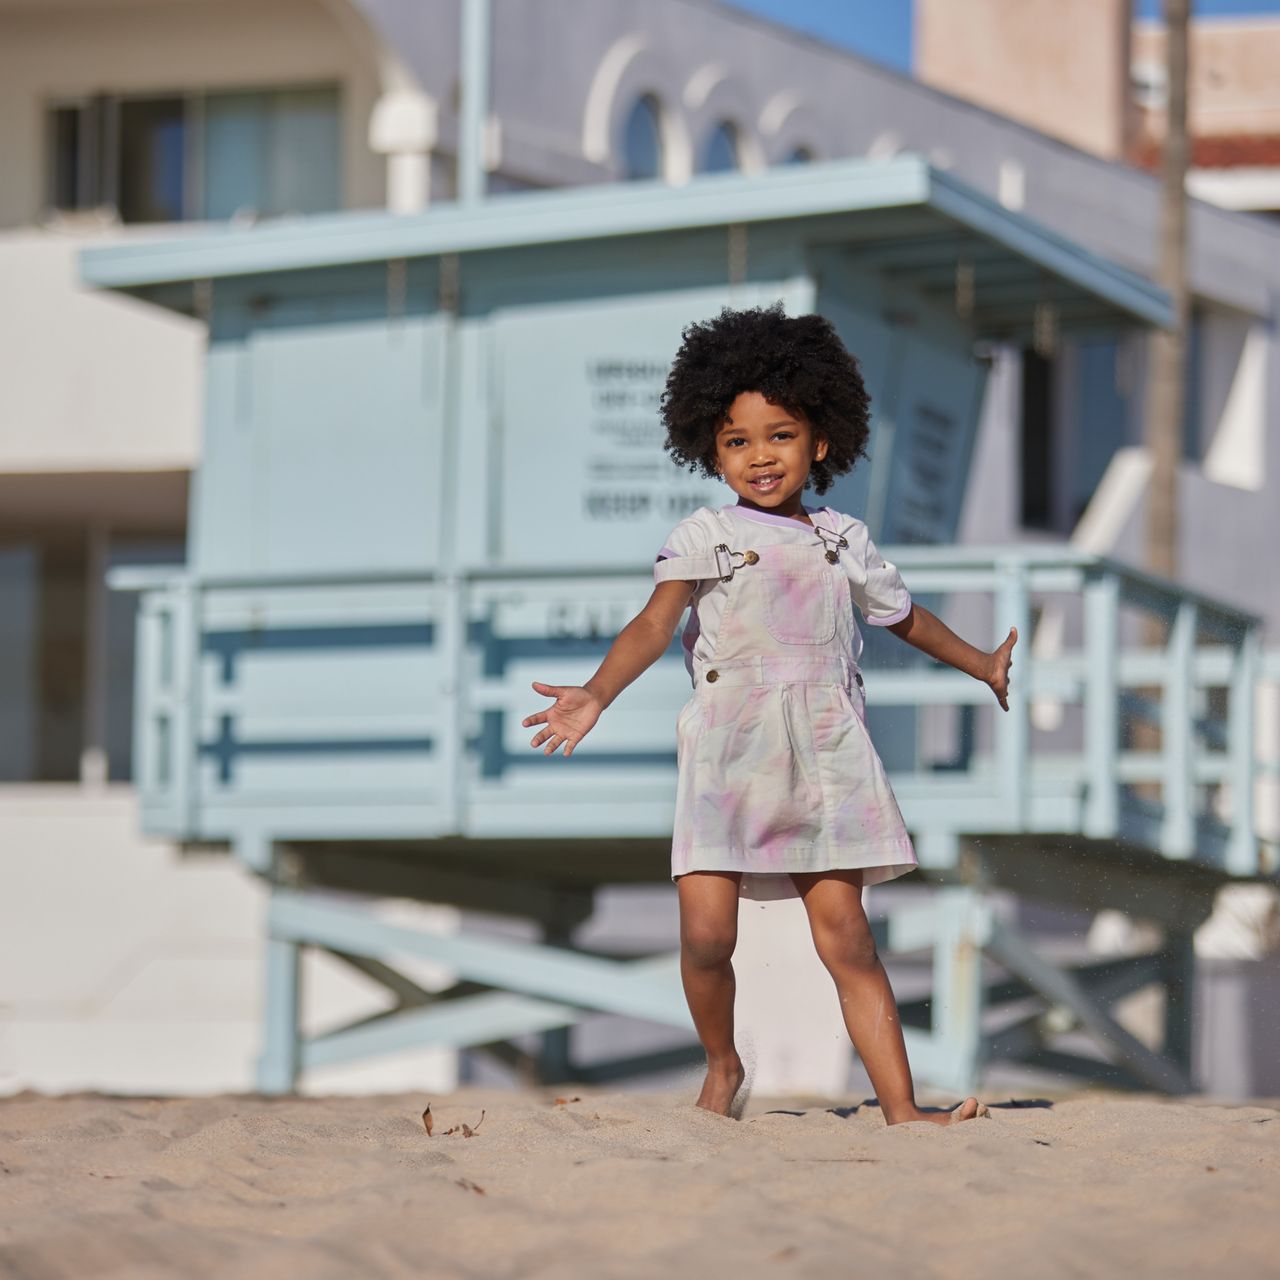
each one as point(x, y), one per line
point(707, 944)
point(848, 944)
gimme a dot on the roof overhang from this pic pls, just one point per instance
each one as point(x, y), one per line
point(901, 215)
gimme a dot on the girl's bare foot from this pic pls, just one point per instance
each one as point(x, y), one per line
point(969, 1109)
point(721, 1085)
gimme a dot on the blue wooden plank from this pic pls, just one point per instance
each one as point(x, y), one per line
point(454, 1024)
point(650, 990)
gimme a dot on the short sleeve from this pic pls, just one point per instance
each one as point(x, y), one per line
point(691, 541)
point(876, 585)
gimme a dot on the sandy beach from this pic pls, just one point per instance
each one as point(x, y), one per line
point(630, 1185)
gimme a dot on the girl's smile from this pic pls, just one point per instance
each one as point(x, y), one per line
point(764, 453)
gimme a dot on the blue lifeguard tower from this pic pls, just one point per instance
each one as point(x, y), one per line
point(431, 472)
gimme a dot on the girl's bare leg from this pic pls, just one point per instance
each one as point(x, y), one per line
point(843, 939)
point(708, 934)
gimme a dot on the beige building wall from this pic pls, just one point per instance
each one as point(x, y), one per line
point(60, 49)
point(1060, 66)
point(93, 381)
point(1235, 75)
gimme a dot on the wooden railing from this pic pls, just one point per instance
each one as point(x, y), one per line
point(1149, 692)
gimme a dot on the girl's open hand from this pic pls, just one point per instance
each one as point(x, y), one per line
point(568, 721)
point(1001, 661)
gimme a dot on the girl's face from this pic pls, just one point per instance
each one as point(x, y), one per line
point(764, 453)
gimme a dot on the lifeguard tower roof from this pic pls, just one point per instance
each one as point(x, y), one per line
point(921, 224)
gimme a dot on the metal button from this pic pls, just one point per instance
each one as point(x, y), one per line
point(712, 676)
point(749, 557)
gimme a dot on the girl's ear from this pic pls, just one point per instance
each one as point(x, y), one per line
point(820, 451)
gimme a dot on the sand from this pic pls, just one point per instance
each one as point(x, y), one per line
point(628, 1185)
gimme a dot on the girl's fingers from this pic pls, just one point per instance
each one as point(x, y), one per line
point(539, 717)
point(548, 690)
point(553, 746)
point(541, 738)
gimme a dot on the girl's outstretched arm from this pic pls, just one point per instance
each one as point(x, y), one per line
point(928, 633)
point(639, 645)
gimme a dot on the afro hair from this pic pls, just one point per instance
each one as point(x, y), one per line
point(797, 363)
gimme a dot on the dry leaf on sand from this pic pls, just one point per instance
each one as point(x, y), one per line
point(467, 1131)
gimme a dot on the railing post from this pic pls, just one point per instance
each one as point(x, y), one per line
point(1101, 704)
point(963, 927)
point(1177, 733)
point(281, 1048)
point(148, 697)
point(1014, 732)
point(452, 655)
point(185, 720)
point(1242, 849)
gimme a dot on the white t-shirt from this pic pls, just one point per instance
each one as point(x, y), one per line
point(876, 586)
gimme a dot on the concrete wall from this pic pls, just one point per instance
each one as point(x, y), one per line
point(129, 967)
point(93, 381)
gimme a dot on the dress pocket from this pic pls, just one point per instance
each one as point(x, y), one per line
point(856, 698)
point(685, 723)
point(799, 606)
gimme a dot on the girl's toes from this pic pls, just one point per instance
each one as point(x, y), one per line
point(969, 1109)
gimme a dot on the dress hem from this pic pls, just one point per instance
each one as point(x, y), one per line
point(770, 883)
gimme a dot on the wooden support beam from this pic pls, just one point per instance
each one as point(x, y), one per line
point(1079, 1066)
point(1016, 954)
point(647, 989)
point(281, 1058)
point(367, 872)
point(455, 1024)
point(627, 1068)
point(1096, 877)
point(1179, 965)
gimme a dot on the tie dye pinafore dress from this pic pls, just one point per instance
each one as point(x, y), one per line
point(777, 773)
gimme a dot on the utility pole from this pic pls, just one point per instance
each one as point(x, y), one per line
point(1167, 376)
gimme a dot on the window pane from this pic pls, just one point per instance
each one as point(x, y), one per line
point(67, 158)
point(643, 140)
point(152, 154)
point(19, 657)
point(302, 165)
point(271, 153)
point(1100, 419)
point(1037, 441)
point(119, 637)
point(235, 153)
point(721, 155)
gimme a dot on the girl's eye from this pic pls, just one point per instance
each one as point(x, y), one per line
point(734, 440)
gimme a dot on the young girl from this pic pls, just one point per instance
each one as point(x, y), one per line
point(780, 791)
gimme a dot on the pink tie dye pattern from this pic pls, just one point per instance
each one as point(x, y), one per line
point(777, 772)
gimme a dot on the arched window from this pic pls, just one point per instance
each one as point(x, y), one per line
point(642, 140)
point(798, 155)
point(721, 154)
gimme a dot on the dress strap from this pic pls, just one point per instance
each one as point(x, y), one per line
point(721, 563)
